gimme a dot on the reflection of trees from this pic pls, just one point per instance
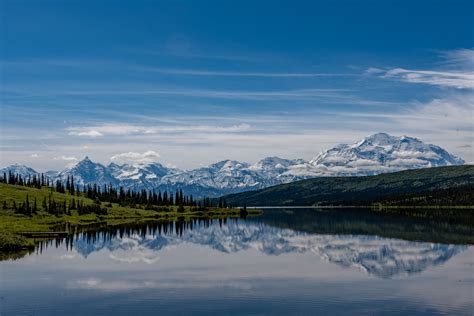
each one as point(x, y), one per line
point(14, 255)
point(103, 232)
point(365, 222)
point(382, 257)
point(307, 221)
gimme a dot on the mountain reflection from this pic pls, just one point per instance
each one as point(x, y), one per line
point(378, 256)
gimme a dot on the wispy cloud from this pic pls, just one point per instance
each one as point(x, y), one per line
point(321, 95)
point(457, 71)
point(93, 64)
point(373, 70)
point(297, 94)
point(459, 80)
point(194, 72)
point(459, 58)
point(453, 112)
point(116, 129)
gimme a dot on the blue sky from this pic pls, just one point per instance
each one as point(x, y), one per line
point(192, 82)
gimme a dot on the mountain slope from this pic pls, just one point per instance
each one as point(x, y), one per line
point(440, 185)
point(88, 172)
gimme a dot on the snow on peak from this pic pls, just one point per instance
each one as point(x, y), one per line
point(269, 163)
point(22, 170)
point(380, 153)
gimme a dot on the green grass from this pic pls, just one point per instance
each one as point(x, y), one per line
point(12, 223)
point(12, 242)
point(17, 193)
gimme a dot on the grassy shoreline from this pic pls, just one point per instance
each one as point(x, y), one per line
point(12, 223)
point(14, 242)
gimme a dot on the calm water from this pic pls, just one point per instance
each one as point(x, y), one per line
point(284, 262)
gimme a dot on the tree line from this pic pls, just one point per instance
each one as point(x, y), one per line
point(53, 207)
point(148, 199)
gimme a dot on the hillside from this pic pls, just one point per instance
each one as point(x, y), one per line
point(453, 185)
point(77, 209)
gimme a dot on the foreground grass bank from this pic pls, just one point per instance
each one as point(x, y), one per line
point(12, 242)
point(13, 224)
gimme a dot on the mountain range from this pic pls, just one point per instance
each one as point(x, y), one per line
point(375, 154)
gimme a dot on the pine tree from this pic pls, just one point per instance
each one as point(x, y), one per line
point(35, 207)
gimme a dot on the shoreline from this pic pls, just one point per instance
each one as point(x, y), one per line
point(457, 207)
point(18, 232)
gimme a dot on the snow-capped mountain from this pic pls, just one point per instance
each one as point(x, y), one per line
point(18, 169)
point(380, 153)
point(377, 153)
point(382, 257)
point(141, 175)
point(88, 172)
point(223, 174)
point(276, 170)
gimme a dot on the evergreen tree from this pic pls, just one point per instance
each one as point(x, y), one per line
point(35, 207)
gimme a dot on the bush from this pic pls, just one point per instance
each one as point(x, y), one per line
point(10, 242)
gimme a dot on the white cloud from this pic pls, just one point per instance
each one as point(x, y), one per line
point(89, 133)
point(459, 58)
point(71, 160)
point(34, 156)
point(131, 157)
point(130, 90)
point(194, 72)
point(65, 158)
point(373, 70)
point(112, 129)
point(454, 113)
point(457, 71)
point(453, 79)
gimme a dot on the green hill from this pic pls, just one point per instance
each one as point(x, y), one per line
point(441, 186)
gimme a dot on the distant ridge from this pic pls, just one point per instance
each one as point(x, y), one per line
point(453, 185)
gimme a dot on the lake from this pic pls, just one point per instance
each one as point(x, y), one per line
point(285, 262)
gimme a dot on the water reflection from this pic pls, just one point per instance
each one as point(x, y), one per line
point(285, 262)
point(372, 254)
